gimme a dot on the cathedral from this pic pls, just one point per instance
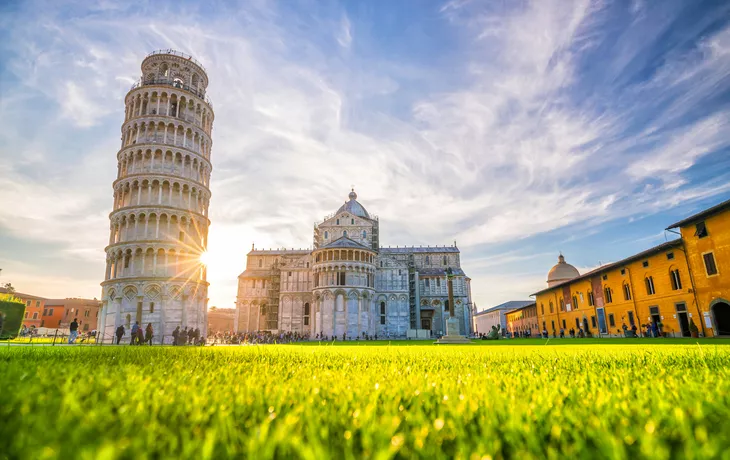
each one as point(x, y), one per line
point(348, 285)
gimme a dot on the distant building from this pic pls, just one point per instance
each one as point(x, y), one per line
point(58, 313)
point(86, 311)
point(33, 308)
point(484, 320)
point(523, 319)
point(221, 319)
point(349, 284)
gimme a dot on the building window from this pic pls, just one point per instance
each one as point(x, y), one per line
point(45, 312)
point(341, 278)
point(126, 263)
point(428, 260)
point(86, 314)
point(575, 302)
point(700, 230)
point(605, 277)
point(542, 310)
point(352, 221)
point(609, 296)
point(181, 236)
point(552, 309)
point(428, 284)
point(338, 221)
point(611, 320)
point(382, 312)
point(26, 315)
point(306, 314)
point(152, 307)
point(593, 321)
point(670, 255)
point(288, 274)
point(35, 315)
point(590, 298)
point(623, 271)
point(562, 305)
point(37, 303)
point(253, 284)
point(364, 234)
point(438, 282)
point(627, 292)
point(553, 324)
point(645, 263)
point(27, 303)
point(326, 235)
point(676, 280)
point(710, 266)
point(577, 323)
point(563, 324)
point(649, 285)
point(261, 263)
point(445, 260)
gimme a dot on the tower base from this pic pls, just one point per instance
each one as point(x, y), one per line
point(452, 333)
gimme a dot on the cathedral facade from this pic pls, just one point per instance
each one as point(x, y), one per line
point(347, 285)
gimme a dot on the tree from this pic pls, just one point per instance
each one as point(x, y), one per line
point(9, 287)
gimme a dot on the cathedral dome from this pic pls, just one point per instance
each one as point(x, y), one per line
point(353, 207)
point(562, 271)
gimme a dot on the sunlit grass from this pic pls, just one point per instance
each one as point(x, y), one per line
point(584, 401)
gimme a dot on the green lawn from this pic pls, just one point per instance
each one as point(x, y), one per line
point(313, 401)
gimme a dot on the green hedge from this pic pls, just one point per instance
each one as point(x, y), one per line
point(12, 311)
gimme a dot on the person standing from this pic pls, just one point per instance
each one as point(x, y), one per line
point(135, 328)
point(74, 331)
point(148, 334)
point(120, 333)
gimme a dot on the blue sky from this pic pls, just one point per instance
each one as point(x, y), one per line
point(518, 129)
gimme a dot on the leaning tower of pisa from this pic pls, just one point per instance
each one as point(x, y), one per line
point(159, 221)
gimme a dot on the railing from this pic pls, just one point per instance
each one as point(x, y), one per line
point(174, 84)
point(179, 54)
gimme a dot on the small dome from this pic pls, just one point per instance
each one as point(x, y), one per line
point(561, 272)
point(353, 207)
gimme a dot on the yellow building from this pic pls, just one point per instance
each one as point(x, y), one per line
point(706, 237)
point(652, 286)
point(674, 284)
point(522, 320)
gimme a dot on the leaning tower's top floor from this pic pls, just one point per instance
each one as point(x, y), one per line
point(174, 68)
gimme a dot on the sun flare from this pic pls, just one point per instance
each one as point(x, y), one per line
point(205, 258)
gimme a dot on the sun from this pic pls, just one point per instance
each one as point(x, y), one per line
point(205, 258)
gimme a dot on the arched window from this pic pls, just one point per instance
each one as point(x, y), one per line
point(338, 221)
point(344, 233)
point(352, 221)
point(364, 234)
point(649, 285)
point(542, 308)
point(609, 294)
point(562, 305)
point(261, 263)
point(381, 264)
point(627, 291)
point(676, 279)
point(306, 314)
point(428, 260)
point(445, 260)
point(382, 312)
point(326, 235)
point(575, 302)
point(552, 308)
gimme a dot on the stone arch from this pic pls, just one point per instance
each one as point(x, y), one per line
point(720, 311)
